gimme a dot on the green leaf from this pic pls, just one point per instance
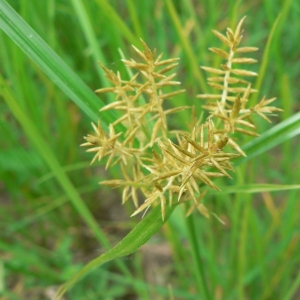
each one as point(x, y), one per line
point(257, 188)
point(137, 237)
point(265, 61)
point(114, 17)
point(278, 134)
point(50, 159)
point(57, 70)
point(186, 45)
point(90, 37)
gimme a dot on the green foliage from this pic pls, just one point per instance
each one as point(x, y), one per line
point(54, 217)
point(140, 234)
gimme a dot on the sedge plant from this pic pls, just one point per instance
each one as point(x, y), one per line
point(258, 243)
point(161, 165)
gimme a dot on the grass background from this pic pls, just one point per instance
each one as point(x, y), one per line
point(54, 216)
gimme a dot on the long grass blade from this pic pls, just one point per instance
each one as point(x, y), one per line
point(191, 58)
point(137, 237)
point(278, 134)
point(265, 61)
point(90, 37)
point(51, 160)
point(257, 188)
point(57, 70)
point(115, 18)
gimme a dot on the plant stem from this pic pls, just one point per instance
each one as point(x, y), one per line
point(199, 270)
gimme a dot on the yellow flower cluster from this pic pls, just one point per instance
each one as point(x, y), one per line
point(159, 164)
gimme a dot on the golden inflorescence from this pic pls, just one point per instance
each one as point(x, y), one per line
point(161, 164)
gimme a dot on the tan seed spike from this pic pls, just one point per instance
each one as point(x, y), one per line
point(210, 133)
point(233, 144)
point(131, 136)
point(220, 52)
point(167, 69)
point(236, 108)
point(248, 132)
point(158, 186)
point(222, 37)
point(244, 60)
point(155, 132)
point(219, 168)
point(125, 194)
point(140, 53)
point(168, 175)
point(169, 95)
point(207, 181)
point(147, 202)
point(222, 143)
point(158, 58)
point(163, 206)
point(191, 191)
point(111, 105)
point(166, 62)
point(213, 70)
point(198, 202)
point(150, 56)
point(105, 90)
point(195, 144)
point(135, 197)
point(243, 72)
point(246, 49)
point(155, 75)
point(238, 28)
point(202, 136)
point(203, 210)
point(215, 79)
point(209, 96)
point(230, 35)
point(182, 150)
point(237, 42)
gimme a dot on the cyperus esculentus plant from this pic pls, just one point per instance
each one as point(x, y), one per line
point(175, 165)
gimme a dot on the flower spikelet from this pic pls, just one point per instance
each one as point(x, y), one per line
point(186, 164)
point(160, 166)
point(229, 104)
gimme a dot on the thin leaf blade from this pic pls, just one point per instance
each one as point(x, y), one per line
point(137, 237)
point(257, 188)
point(57, 70)
point(278, 134)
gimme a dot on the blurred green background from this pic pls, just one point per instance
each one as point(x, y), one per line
point(45, 238)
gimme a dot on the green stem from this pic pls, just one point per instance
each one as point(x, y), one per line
point(199, 270)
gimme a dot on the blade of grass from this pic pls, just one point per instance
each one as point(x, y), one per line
point(2, 283)
point(293, 289)
point(45, 209)
point(137, 283)
point(242, 247)
point(57, 70)
point(50, 159)
point(32, 258)
point(114, 18)
point(191, 58)
point(198, 267)
point(256, 188)
point(135, 20)
point(137, 237)
point(66, 168)
point(278, 134)
point(179, 254)
point(90, 37)
point(265, 61)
